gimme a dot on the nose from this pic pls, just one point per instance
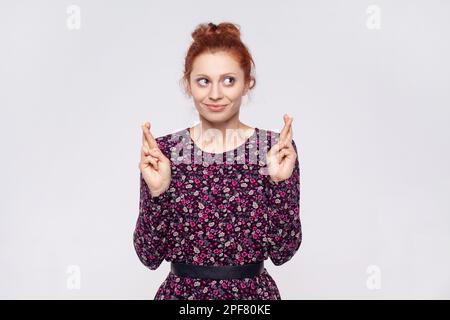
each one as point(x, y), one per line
point(215, 93)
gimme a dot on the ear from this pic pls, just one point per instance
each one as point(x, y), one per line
point(246, 88)
point(248, 85)
point(187, 88)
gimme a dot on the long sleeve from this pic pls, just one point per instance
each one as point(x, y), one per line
point(150, 234)
point(285, 233)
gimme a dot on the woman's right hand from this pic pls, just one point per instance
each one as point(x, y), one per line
point(154, 165)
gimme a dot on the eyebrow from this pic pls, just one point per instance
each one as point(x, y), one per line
point(204, 75)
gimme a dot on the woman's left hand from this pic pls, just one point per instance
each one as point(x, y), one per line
point(281, 156)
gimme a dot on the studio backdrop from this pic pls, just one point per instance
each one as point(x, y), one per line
point(367, 83)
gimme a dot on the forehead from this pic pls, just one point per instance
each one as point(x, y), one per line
point(215, 64)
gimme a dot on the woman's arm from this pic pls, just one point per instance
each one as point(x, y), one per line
point(285, 233)
point(150, 234)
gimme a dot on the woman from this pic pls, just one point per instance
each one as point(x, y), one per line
point(218, 218)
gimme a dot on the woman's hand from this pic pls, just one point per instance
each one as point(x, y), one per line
point(281, 157)
point(154, 165)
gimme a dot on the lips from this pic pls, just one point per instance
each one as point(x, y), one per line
point(216, 107)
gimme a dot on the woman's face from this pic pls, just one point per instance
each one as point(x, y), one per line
point(217, 79)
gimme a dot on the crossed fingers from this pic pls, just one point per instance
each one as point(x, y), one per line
point(286, 132)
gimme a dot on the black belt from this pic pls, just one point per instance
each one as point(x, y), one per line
point(217, 272)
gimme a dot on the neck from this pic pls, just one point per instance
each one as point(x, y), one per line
point(231, 124)
point(220, 135)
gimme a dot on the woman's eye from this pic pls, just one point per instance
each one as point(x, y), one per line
point(230, 78)
point(200, 80)
point(228, 81)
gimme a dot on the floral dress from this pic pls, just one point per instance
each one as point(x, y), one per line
point(220, 209)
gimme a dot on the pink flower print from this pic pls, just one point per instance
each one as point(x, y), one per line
point(223, 226)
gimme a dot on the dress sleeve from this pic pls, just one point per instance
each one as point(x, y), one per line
point(285, 233)
point(150, 234)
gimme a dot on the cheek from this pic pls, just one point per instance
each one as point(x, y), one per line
point(199, 94)
point(234, 95)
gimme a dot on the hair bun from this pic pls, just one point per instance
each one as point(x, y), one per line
point(210, 29)
point(213, 26)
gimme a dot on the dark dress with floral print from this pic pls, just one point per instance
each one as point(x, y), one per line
point(220, 209)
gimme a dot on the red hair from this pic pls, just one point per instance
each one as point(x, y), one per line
point(222, 37)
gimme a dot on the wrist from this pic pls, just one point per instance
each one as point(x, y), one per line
point(275, 180)
point(158, 193)
point(161, 192)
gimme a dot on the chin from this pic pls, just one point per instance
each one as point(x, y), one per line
point(216, 117)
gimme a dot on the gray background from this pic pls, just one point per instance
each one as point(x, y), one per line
point(370, 108)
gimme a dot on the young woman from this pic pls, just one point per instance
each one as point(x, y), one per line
point(218, 218)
